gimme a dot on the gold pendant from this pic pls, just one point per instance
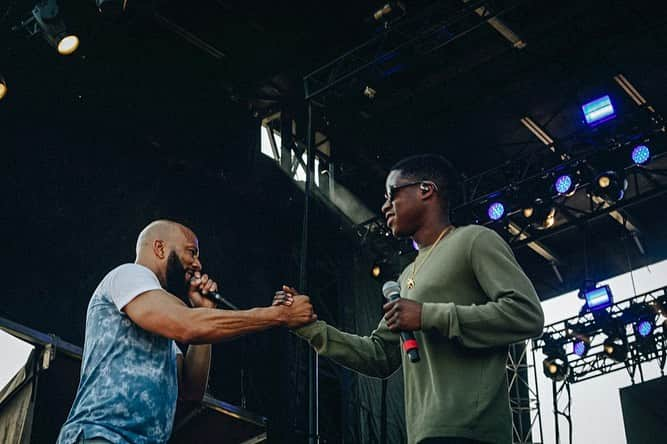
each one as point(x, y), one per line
point(411, 284)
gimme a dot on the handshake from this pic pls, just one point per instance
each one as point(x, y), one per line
point(296, 309)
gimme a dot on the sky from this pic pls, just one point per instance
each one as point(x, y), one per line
point(15, 353)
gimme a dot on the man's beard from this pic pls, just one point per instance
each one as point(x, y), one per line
point(175, 278)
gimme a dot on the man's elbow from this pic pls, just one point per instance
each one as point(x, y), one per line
point(187, 335)
point(537, 324)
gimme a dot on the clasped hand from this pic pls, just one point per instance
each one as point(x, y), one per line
point(300, 310)
point(401, 314)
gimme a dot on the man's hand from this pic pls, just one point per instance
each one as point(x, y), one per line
point(403, 314)
point(299, 309)
point(284, 296)
point(200, 285)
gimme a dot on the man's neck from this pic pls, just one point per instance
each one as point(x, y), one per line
point(429, 232)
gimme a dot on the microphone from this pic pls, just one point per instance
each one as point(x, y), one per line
point(217, 298)
point(392, 291)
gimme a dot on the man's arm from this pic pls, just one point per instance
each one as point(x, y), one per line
point(512, 314)
point(377, 355)
point(193, 372)
point(164, 314)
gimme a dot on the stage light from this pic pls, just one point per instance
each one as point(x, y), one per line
point(598, 298)
point(580, 347)
point(556, 368)
point(495, 211)
point(389, 11)
point(3, 87)
point(644, 339)
point(376, 270)
point(53, 29)
point(541, 213)
point(565, 184)
point(615, 348)
point(644, 328)
point(598, 111)
point(641, 154)
point(68, 45)
point(610, 186)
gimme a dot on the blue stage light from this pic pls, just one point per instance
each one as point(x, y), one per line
point(496, 211)
point(580, 347)
point(641, 154)
point(645, 328)
point(564, 184)
point(598, 298)
point(598, 110)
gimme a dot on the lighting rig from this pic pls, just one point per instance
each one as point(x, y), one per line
point(606, 336)
point(615, 159)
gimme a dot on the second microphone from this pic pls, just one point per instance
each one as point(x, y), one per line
point(392, 291)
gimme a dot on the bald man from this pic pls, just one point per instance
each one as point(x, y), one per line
point(132, 371)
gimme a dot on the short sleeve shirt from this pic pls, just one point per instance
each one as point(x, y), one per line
point(129, 383)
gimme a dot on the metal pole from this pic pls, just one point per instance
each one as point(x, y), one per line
point(555, 395)
point(537, 394)
point(313, 407)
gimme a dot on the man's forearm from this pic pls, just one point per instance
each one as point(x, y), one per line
point(377, 355)
point(195, 371)
point(212, 325)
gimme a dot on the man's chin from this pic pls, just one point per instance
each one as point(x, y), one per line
point(396, 232)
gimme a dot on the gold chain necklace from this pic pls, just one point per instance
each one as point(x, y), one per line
point(415, 268)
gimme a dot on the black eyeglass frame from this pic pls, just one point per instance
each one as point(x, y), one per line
point(390, 193)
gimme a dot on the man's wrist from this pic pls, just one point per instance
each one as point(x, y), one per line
point(281, 314)
point(203, 302)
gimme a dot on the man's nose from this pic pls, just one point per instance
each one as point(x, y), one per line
point(386, 206)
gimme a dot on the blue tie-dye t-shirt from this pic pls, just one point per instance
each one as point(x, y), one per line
point(129, 382)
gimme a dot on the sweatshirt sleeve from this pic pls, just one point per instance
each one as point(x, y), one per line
point(377, 355)
point(513, 311)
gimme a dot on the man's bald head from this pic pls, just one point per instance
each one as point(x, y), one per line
point(171, 251)
point(163, 230)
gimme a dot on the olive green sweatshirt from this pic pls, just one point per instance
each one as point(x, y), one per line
point(476, 301)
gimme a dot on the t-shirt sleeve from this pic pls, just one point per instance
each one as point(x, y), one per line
point(129, 281)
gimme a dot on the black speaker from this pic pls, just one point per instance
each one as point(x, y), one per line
point(645, 411)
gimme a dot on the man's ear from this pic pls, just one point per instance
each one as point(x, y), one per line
point(159, 249)
point(427, 190)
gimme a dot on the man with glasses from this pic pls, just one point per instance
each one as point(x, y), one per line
point(464, 297)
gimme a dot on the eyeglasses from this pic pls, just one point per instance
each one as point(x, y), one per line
point(390, 194)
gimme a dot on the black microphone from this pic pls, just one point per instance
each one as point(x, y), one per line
point(217, 298)
point(392, 291)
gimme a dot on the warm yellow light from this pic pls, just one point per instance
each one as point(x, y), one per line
point(376, 270)
point(553, 369)
point(604, 181)
point(3, 90)
point(608, 349)
point(528, 212)
point(68, 45)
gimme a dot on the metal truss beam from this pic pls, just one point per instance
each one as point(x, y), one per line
point(524, 399)
point(421, 34)
point(594, 328)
